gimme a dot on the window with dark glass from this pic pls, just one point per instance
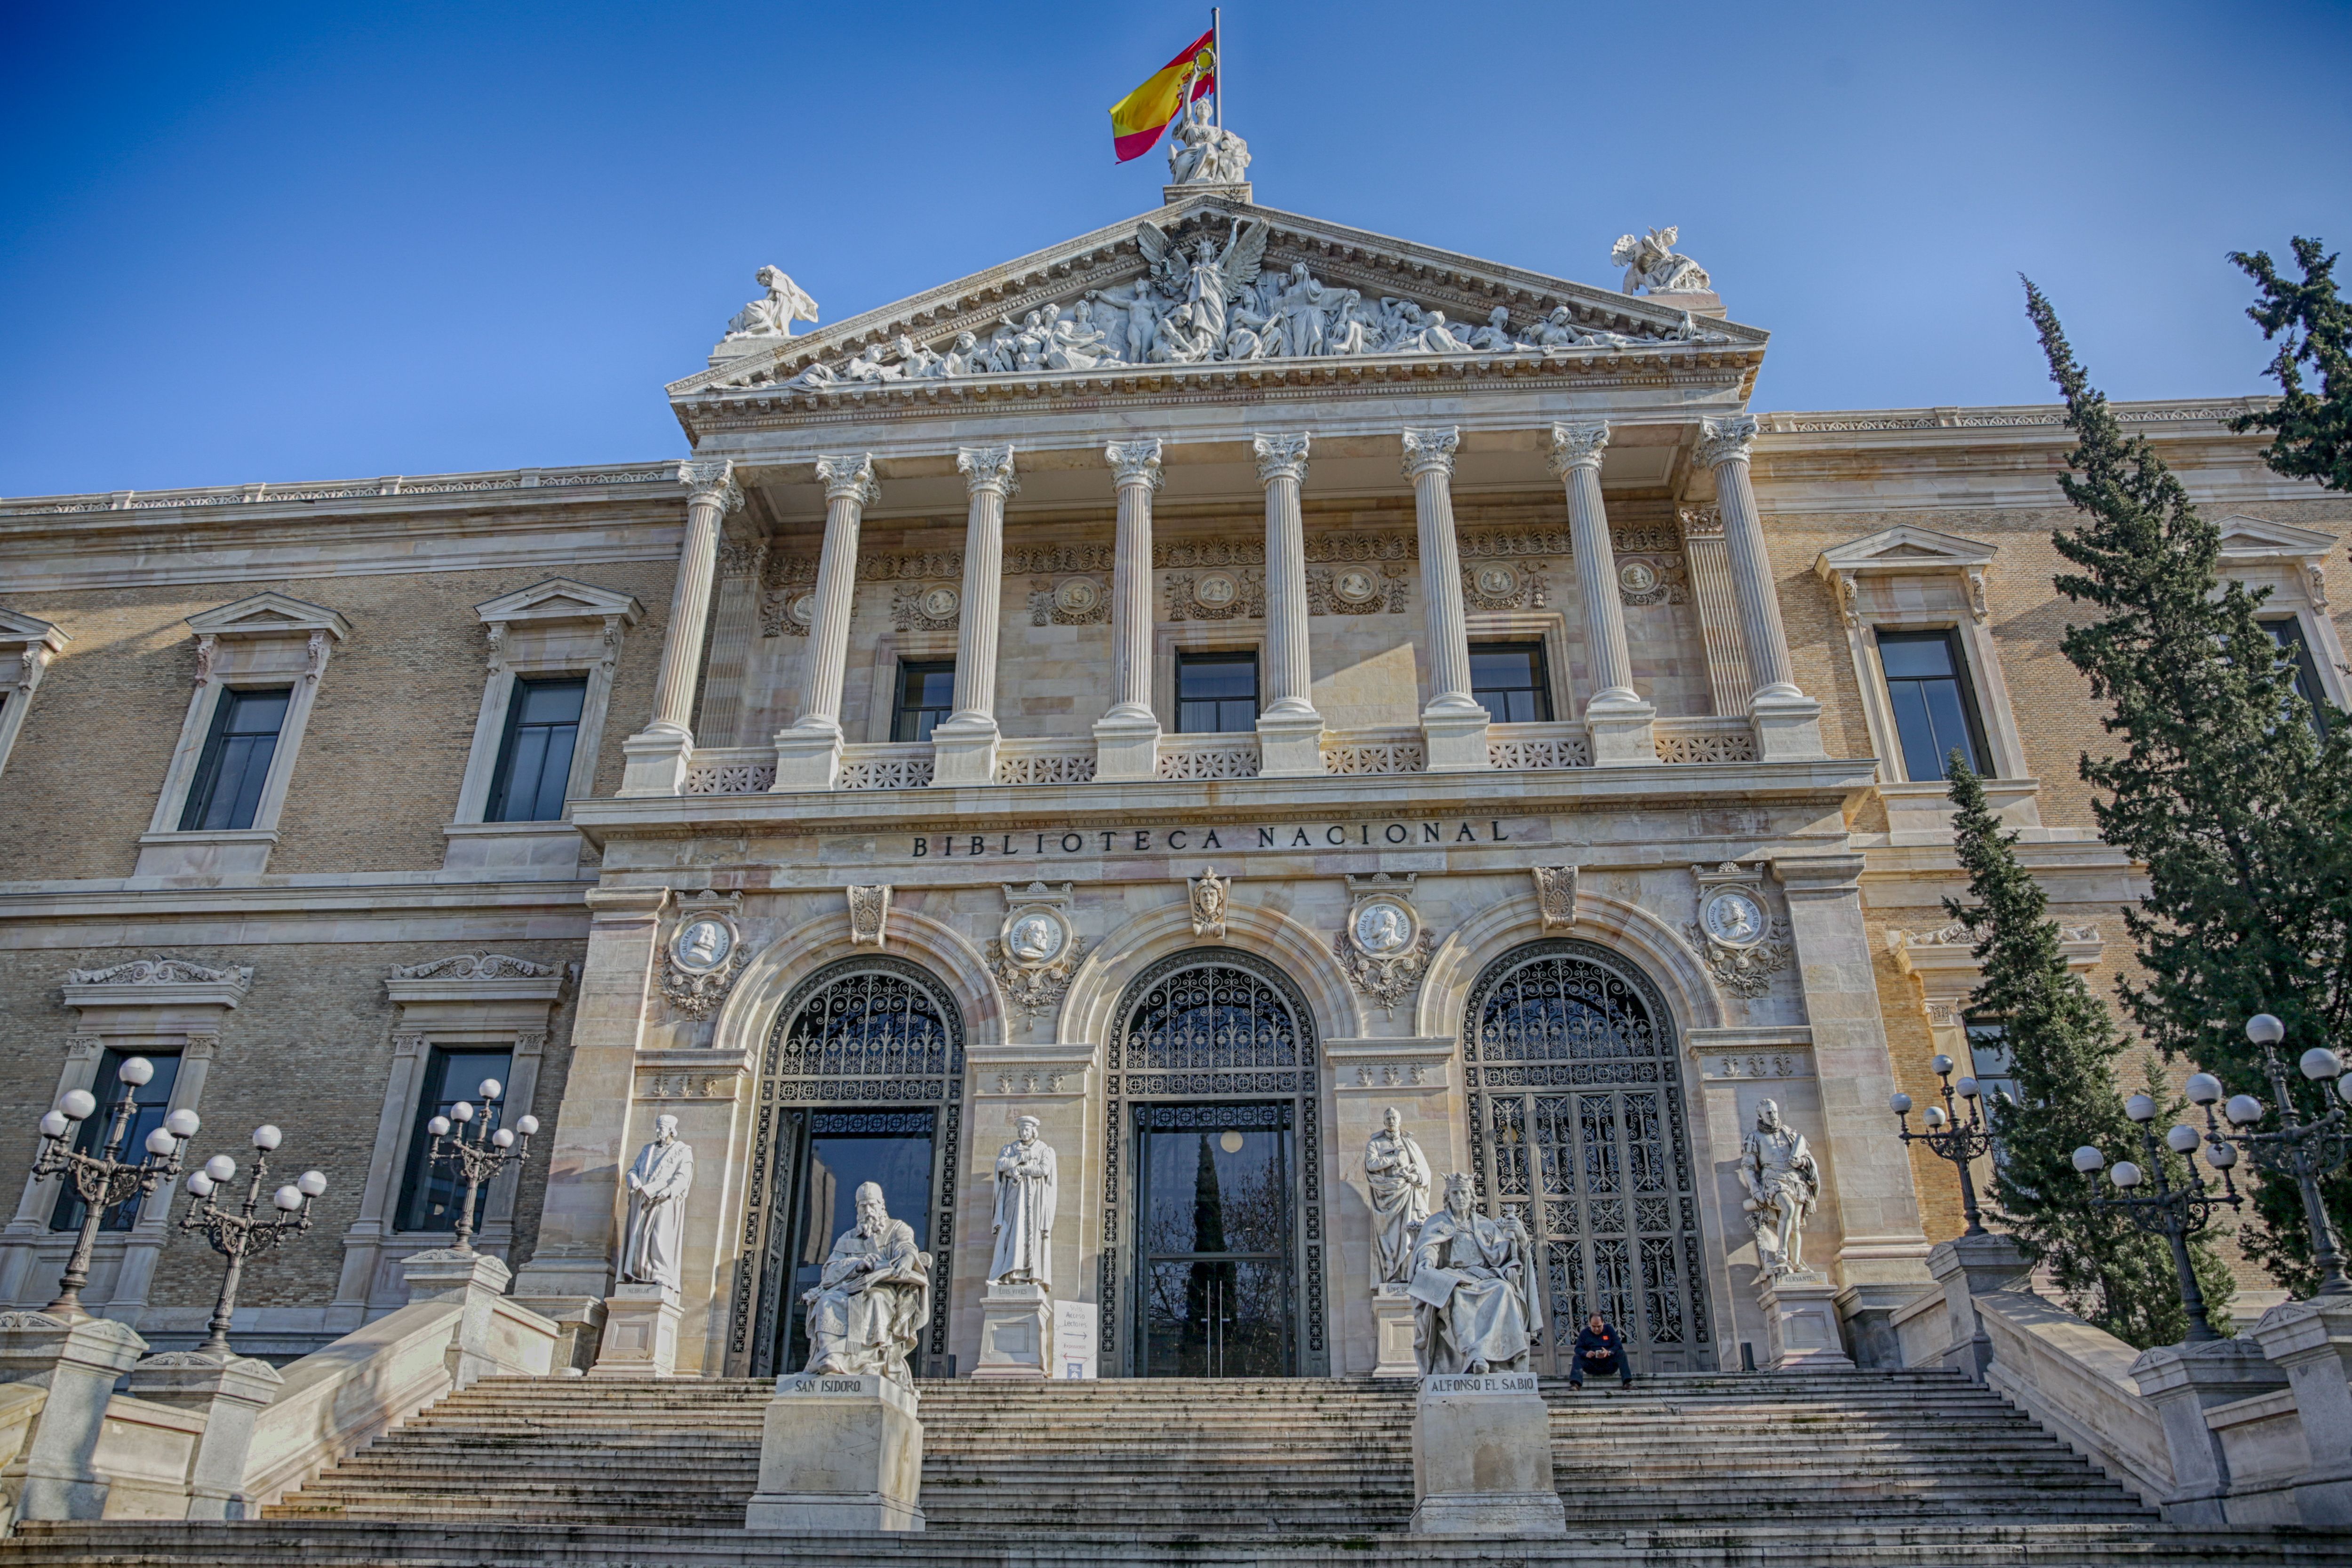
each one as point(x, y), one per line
point(1511, 680)
point(154, 1103)
point(926, 695)
point(430, 1193)
point(535, 756)
point(235, 760)
point(1989, 1054)
point(1216, 693)
point(1934, 715)
point(2287, 633)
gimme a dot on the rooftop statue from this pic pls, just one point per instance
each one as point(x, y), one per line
point(1652, 267)
point(772, 316)
point(1201, 153)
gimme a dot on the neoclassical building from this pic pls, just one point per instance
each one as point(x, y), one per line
point(1184, 686)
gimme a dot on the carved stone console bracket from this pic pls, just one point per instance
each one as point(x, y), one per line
point(870, 911)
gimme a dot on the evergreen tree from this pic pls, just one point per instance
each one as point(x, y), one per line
point(2312, 433)
point(2063, 1046)
point(2241, 814)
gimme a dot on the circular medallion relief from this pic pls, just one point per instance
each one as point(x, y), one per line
point(1077, 596)
point(1382, 927)
point(703, 945)
point(1034, 936)
point(940, 603)
point(803, 609)
point(1354, 585)
point(1497, 580)
point(1734, 918)
point(1637, 576)
point(1215, 589)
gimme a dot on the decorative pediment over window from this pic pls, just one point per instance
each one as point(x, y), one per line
point(2296, 554)
point(269, 616)
point(28, 643)
point(1905, 549)
point(561, 598)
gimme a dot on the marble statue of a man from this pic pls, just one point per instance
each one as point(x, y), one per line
point(1474, 1287)
point(870, 1303)
point(1026, 1190)
point(1783, 1184)
point(1398, 1174)
point(652, 1252)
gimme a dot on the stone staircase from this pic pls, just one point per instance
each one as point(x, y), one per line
point(1905, 1469)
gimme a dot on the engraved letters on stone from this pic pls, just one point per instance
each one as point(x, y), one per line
point(870, 908)
point(1741, 945)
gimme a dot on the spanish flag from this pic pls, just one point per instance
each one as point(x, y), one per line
point(1137, 119)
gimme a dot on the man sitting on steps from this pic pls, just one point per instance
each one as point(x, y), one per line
point(1599, 1349)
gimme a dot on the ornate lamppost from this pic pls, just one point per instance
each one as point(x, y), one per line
point(103, 1179)
point(1958, 1140)
point(242, 1235)
point(2175, 1213)
point(489, 1151)
point(2303, 1150)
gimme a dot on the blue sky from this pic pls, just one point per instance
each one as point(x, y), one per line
point(250, 242)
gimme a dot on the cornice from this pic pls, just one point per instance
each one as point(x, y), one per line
point(1960, 425)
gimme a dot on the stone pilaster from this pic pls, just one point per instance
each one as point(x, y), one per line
point(1719, 609)
point(808, 754)
point(1289, 730)
point(734, 621)
point(658, 754)
point(1453, 725)
point(963, 745)
point(1788, 722)
point(1614, 714)
point(1127, 738)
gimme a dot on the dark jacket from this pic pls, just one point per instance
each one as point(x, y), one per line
point(1607, 1339)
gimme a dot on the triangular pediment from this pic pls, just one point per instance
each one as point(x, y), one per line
point(268, 614)
point(22, 629)
point(2244, 538)
point(1352, 295)
point(561, 598)
point(1907, 547)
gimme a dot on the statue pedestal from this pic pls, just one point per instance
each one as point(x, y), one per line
point(1801, 1324)
point(1016, 1333)
point(1393, 1332)
point(838, 1453)
point(640, 1333)
point(1481, 1458)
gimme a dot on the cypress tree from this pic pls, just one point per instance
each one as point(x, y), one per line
point(2221, 788)
point(2312, 433)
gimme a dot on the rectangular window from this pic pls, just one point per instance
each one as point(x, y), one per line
point(1510, 682)
point(235, 761)
point(535, 758)
point(1989, 1056)
point(2287, 633)
point(429, 1194)
point(926, 695)
point(154, 1102)
point(1935, 714)
point(1216, 693)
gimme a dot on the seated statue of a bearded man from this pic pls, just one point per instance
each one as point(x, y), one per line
point(869, 1305)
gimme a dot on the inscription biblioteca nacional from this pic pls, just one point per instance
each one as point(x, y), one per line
point(1033, 844)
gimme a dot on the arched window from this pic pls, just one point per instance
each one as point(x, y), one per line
point(1208, 1015)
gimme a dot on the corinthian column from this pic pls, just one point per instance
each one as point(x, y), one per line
point(1289, 730)
point(1453, 725)
point(657, 755)
point(808, 754)
point(964, 744)
point(1788, 722)
point(1615, 716)
point(1127, 738)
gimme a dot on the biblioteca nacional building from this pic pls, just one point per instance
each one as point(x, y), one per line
point(1202, 685)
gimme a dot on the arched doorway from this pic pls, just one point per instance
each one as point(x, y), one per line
point(1213, 1255)
point(861, 1079)
point(1578, 1126)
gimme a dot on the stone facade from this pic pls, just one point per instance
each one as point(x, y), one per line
point(740, 621)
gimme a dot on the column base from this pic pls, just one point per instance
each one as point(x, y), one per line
point(1393, 1332)
point(1801, 1324)
point(655, 763)
point(1787, 728)
point(1127, 749)
point(1620, 733)
point(1016, 1333)
point(1290, 744)
point(963, 753)
point(838, 1453)
point(640, 1333)
point(1455, 740)
point(807, 758)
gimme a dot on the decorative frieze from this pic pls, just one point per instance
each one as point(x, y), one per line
point(925, 607)
point(1499, 585)
point(1073, 601)
point(1216, 595)
point(474, 966)
point(162, 972)
point(1357, 591)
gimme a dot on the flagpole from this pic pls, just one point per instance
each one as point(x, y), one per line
point(1217, 49)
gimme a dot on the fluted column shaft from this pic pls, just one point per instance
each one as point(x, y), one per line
point(1289, 677)
point(1576, 457)
point(711, 494)
point(1724, 446)
point(989, 481)
point(849, 490)
point(1136, 464)
point(1429, 463)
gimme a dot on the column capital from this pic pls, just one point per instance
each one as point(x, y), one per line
point(988, 468)
point(1722, 441)
point(849, 478)
point(1576, 446)
point(1430, 450)
point(709, 480)
point(1701, 522)
point(1281, 458)
point(1135, 462)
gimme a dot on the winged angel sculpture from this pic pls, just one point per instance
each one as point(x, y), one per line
point(1211, 297)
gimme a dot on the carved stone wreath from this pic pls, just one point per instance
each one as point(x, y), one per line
point(1036, 989)
point(1493, 585)
point(1387, 981)
point(1744, 971)
point(1073, 601)
point(698, 994)
point(1216, 595)
point(1356, 590)
point(925, 607)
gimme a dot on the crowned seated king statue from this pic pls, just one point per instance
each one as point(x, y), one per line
point(1473, 1288)
point(867, 1310)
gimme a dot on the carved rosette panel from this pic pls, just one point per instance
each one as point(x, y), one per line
point(1506, 585)
point(1356, 589)
point(925, 607)
point(1073, 601)
point(1238, 595)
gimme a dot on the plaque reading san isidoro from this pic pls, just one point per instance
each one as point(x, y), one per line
point(1036, 842)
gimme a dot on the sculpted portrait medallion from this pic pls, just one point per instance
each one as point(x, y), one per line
point(1034, 937)
point(1733, 919)
point(702, 945)
point(1497, 581)
point(1077, 596)
point(940, 603)
point(1382, 927)
point(1637, 577)
point(1215, 589)
point(803, 609)
point(1354, 585)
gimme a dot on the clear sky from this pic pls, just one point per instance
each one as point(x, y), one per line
point(251, 242)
